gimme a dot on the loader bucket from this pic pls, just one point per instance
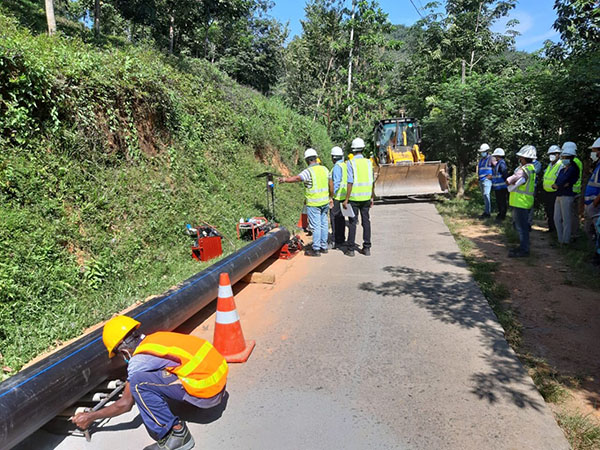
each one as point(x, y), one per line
point(411, 180)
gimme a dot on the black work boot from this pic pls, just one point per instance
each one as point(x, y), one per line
point(176, 440)
point(365, 251)
point(312, 252)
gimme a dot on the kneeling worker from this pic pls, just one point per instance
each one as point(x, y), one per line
point(161, 366)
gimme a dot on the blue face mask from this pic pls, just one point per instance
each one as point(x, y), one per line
point(484, 154)
point(566, 162)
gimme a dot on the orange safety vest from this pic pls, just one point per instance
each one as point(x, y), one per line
point(202, 370)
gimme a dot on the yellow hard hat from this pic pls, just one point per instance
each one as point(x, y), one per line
point(350, 155)
point(115, 331)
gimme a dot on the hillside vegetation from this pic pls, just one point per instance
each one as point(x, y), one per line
point(106, 154)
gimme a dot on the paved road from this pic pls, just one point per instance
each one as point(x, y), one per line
point(395, 351)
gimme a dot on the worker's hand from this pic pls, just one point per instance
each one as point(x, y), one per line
point(372, 201)
point(281, 180)
point(554, 186)
point(489, 177)
point(345, 204)
point(330, 203)
point(82, 420)
point(596, 201)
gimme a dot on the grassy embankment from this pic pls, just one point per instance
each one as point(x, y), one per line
point(583, 432)
point(107, 152)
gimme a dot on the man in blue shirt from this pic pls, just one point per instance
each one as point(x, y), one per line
point(338, 179)
point(499, 176)
point(484, 173)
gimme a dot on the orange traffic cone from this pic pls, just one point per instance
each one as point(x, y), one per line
point(228, 338)
point(303, 221)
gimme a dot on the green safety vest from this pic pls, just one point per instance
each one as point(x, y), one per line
point(341, 193)
point(318, 194)
point(362, 188)
point(550, 175)
point(524, 195)
point(577, 186)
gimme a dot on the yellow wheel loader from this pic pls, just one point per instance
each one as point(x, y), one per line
point(401, 169)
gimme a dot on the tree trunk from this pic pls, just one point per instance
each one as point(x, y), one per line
point(97, 17)
point(171, 34)
point(50, 17)
point(323, 88)
point(351, 48)
point(462, 176)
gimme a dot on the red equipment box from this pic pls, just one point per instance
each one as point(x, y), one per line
point(207, 248)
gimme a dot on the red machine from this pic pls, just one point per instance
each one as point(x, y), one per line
point(207, 242)
point(254, 227)
point(291, 248)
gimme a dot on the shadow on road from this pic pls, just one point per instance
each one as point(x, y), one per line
point(451, 258)
point(455, 299)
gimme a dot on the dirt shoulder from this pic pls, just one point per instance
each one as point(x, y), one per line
point(560, 321)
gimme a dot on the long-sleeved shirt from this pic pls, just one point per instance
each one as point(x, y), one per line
point(567, 177)
point(517, 176)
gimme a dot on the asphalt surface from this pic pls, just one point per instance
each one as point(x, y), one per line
point(398, 350)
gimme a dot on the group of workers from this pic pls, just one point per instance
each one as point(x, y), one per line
point(562, 187)
point(167, 366)
point(345, 191)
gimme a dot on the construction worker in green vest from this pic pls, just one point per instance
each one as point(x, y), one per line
point(338, 185)
point(572, 147)
point(550, 175)
point(360, 196)
point(521, 186)
point(316, 191)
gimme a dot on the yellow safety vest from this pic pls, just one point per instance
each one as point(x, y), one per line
point(550, 175)
point(341, 192)
point(577, 186)
point(362, 187)
point(524, 195)
point(202, 370)
point(318, 194)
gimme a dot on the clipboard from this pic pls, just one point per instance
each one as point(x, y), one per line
point(347, 212)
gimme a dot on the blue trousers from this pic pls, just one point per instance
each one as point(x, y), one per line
point(318, 221)
point(486, 190)
point(521, 224)
point(150, 391)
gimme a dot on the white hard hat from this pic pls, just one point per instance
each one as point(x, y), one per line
point(554, 149)
point(337, 151)
point(358, 143)
point(568, 150)
point(309, 153)
point(484, 148)
point(570, 147)
point(528, 151)
point(498, 152)
point(596, 144)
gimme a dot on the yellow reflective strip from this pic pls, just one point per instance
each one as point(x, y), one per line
point(195, 361)
point(208, 381)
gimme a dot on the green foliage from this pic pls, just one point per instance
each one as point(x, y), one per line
point(583, 432)
point(578, 23)
point(316, 64)
point(106, 155)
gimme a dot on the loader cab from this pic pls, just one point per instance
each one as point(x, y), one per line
point(397, 141)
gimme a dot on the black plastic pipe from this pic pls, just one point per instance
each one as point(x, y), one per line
point(38, 393)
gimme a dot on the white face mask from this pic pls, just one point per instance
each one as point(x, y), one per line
point(552, 158)
point(594, 156)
